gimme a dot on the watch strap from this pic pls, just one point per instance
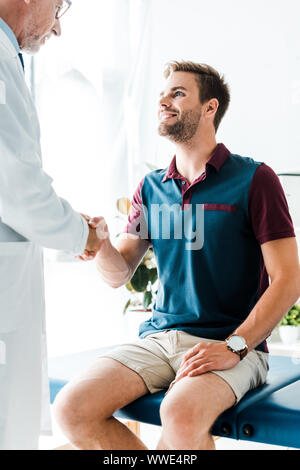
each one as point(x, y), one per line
point(243, 353)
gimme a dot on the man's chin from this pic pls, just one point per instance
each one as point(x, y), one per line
point(32, 47)
point(163, 130)
point(168, 131)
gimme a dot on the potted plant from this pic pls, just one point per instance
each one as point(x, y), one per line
point(143, 285)
point(289, 326)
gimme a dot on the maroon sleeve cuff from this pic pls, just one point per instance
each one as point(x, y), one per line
point(268, 208)
point(136, 220)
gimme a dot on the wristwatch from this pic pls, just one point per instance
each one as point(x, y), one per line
point(238, 345)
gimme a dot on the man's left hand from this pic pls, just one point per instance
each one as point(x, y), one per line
point(205, 357)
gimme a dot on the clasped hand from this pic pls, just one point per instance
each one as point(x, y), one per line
point(98, 232)
point(205, 357)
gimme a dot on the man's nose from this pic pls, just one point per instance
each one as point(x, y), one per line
point(164, 102)
point(56, 30)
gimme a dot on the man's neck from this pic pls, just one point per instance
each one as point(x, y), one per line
point(12, 17)
point(191, 157)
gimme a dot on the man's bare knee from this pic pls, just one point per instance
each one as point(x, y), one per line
point(97, 393)
point(182, 428)
point(179, 414)
point(189, 421)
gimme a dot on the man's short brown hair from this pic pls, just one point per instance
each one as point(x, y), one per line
point(211, 84)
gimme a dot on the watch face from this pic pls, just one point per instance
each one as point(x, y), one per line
point(237, 343)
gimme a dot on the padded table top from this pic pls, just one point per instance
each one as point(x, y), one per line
point(269, 414)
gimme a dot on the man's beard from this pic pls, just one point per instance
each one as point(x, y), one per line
point(30, 42)
point(183, 130)
point(31, 45)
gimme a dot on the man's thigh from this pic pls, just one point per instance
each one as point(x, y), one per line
point(103, 388)
point(249, 373)
point(149, 357)
point(197, 401)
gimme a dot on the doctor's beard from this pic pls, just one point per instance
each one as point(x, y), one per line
point(184, 129)
point(32, 47)
point(31, 42)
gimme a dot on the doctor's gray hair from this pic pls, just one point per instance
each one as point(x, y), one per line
point(211, 84)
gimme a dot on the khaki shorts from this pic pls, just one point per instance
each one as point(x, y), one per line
point(157, 358)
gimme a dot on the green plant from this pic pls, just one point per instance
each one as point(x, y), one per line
point(292, 318)
point(143, 284)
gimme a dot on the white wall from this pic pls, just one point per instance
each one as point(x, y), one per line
point(256, 44)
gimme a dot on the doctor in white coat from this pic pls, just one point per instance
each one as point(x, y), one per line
point(32, 216)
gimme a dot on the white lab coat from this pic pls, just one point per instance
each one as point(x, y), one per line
point(32, 216)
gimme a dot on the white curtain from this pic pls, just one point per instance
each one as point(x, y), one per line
point(92, 90)
point(69, 80)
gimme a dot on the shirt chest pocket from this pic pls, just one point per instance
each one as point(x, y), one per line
point(222, 221)
point(220, 207)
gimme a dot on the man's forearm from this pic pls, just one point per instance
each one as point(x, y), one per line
point(112, 266)
point(276, 301)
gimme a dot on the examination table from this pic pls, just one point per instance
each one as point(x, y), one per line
point(269, 414)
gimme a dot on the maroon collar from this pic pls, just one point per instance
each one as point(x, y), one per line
point(217, 160)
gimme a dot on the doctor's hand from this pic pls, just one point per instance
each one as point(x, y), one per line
point(98, 232)
point(205, 357)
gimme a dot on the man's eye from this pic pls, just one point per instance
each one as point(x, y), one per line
point(178, 93)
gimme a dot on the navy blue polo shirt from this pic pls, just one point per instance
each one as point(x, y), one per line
point(207, 239)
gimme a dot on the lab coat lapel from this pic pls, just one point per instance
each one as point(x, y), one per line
point(5, 42)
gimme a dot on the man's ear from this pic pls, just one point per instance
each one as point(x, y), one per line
point(211, 106)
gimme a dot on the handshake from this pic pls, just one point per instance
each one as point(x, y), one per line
point(98, 232)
